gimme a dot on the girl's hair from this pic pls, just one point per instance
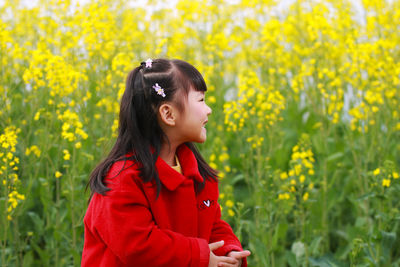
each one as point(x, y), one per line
point(139, 134)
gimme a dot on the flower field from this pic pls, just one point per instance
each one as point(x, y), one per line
point(305, 128)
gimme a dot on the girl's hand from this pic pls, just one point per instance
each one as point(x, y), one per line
point(239, 255)
point(220, 261)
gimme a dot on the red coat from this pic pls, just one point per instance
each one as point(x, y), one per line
point(130, 227)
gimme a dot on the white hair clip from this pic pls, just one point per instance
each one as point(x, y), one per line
point(159, 90)
point(149, 63)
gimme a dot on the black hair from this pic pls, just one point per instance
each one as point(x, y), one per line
point(139, 133)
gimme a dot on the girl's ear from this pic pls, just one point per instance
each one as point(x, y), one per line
point(167, 114)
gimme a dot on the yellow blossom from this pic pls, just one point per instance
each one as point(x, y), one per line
point(78, 145)
point(229, 203)
point(231, 212)
point(283, 175)
point(67, 155)
point(212, 157)
point(227, 168)
point(284, 196)
point(213, 165)
point(386, 182)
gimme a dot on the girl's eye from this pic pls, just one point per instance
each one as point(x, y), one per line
point(202, 99)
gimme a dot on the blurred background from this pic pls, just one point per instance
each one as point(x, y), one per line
point(305, 127)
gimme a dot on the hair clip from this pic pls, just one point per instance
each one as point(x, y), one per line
point(159, 90)
point(149, 62)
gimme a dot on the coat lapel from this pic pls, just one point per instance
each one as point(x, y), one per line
point(170, 178)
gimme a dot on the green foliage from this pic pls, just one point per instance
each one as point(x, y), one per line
point(305, 126)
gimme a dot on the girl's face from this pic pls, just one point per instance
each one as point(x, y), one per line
point(191, 123)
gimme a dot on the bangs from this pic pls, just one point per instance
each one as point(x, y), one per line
point(189, 76)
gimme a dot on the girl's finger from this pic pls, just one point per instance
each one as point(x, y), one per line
point(225, 264)
point(215, 245)
point(240, 254)
point(228, 260)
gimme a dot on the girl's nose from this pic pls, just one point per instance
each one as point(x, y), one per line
point(209, 110)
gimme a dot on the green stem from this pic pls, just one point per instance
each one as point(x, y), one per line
point(57, 219)
point(72, 195)
point(6, 223)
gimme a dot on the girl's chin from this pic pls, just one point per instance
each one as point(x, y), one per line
point(202, 138)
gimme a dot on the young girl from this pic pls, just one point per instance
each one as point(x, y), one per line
point(154, 198)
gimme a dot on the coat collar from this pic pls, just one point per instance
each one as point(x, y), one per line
point(170, 178)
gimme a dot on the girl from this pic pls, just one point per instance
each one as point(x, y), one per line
point(154, 198)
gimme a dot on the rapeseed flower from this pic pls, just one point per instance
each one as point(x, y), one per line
point(301, 167)
point(8, 168)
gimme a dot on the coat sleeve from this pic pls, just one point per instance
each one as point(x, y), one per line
point(124, 222)
point(222, 231)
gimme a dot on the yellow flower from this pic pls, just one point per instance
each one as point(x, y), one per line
point(213, 165)
point(212, 99)
point(58, 174)
point(229, 203)
point(67, 155)
point(223, 157)
point(305, 196)
point(212, 157)
point(302, 178)
point(231, 212)
point(78, 145)
point(33, 149)
point(395, 175)
point(297, 169)
point(37, 116)
point(386, 182)
point(284, 196)
point(227, 168)
point(283, 175)
point(376, 171)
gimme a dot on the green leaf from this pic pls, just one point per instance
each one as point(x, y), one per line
point(326, 261)
point(38, 222)
point(314, 247)
point(388, 239)
point(334, 156)
point(366, 196)
point(291, 259)
point(237, 179)
point(280, 233)
point(28, 259)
